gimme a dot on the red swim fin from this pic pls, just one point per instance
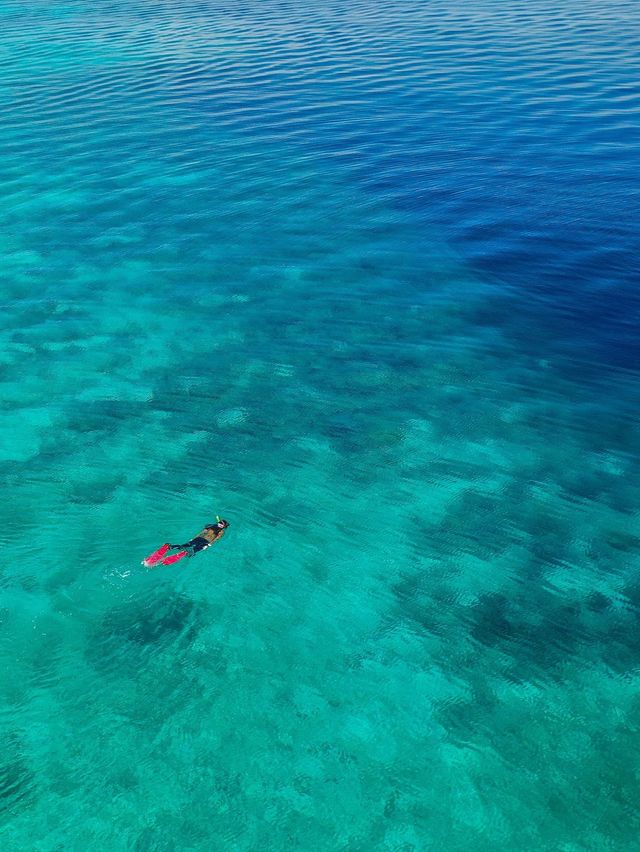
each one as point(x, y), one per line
point(175, 557)
point(156, 556)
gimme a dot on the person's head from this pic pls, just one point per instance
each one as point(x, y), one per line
point(222, 524)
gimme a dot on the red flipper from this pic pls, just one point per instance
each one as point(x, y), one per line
point(169, 560)
point(156, 556)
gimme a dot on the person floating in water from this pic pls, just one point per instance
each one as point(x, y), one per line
point(204, 539)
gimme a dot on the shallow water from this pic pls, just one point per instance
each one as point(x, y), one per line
point(363, 279)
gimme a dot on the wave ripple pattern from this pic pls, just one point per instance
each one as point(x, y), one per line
point(363, 278)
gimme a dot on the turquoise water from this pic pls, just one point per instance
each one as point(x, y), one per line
point(362, 279)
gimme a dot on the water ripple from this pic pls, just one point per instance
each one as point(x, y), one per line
point(364, 278)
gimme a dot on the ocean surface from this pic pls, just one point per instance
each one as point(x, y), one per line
point(362, 278)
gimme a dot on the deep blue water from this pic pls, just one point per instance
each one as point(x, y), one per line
point(363, 279)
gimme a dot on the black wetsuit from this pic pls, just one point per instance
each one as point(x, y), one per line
point(195, 545)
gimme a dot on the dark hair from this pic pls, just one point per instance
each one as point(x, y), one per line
point(223, 522)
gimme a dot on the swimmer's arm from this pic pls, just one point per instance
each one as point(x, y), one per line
point(218, 534)
point(214, 541)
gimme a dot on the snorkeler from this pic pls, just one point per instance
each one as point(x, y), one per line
point(204, 539)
